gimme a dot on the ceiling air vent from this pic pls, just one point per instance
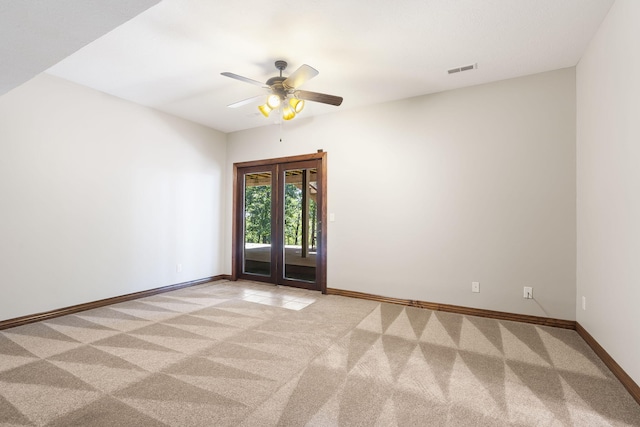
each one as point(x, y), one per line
point(463, 68)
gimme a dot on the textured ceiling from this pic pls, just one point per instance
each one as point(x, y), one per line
point(170, 57)
point(36, 34)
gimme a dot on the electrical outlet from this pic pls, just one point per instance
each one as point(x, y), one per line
point(584, 303)
point(528, 292)
point(178, 268)
point(475, 286)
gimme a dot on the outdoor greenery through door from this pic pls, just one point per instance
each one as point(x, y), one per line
point(278, 221)
point(258, 215)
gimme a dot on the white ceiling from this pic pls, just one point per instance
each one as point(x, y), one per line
point(170, 56)
point(36, 34)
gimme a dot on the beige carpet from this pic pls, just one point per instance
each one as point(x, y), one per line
point(247, 354)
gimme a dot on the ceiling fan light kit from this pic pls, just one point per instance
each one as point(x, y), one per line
point(273, 101)
point(265, 110)
point(296, 104)
point(288, 113)
point(284, 94)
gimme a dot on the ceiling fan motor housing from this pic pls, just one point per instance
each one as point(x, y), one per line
point(275, 83)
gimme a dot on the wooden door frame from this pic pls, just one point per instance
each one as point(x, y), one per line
point(321, 254)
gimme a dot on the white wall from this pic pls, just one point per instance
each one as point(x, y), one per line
point(434, 192)
point(608, 180)
point(101, 197)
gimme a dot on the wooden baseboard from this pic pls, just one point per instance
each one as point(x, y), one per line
point(10, 323)
point(546, 321)
point(628, 382)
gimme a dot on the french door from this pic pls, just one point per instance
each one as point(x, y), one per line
point(279, 221)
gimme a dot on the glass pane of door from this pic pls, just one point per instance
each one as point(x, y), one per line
point(300, 224)
point(257, 223)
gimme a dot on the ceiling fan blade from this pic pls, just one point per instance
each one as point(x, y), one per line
point(319, 97)
point(246, 101)
point(244, 79)
point(303, 74)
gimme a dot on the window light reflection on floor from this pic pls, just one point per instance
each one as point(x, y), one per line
point(278, 297)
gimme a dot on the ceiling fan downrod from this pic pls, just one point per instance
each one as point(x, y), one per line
point(276, 82)
point(281, 65)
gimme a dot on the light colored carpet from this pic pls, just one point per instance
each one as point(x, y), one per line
point(247, 354)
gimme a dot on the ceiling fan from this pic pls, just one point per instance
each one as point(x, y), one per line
point(284, 91)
